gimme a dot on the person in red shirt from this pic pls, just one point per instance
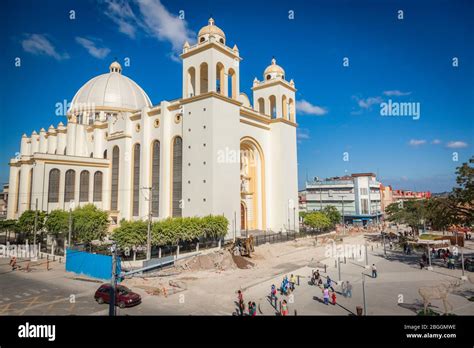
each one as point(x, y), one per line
point(333, 298)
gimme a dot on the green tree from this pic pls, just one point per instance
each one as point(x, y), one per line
point(214, 227)
point(461, 199)
point(333, 214)
point(89, 223)
point(317, 220)
point(131, 235)
point(57, 222)
point(26, 223)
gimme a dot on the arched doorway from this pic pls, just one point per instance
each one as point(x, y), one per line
point(252, 190)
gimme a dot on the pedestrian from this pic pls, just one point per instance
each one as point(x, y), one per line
point(422, 264)
point(240, 298)
point(333, 298)
point(391, 245)
point(326, 295)
point(13, 263)
point(250, 308)
point(329, 283)
point(273, 297)
point(439, 253)
point(349, 289)
point(451, 262)
point(320, 282)
point(344, 288)
point(284, 308)
point(424, 258)
point(292, 282)
point(254, 306)
point(374, 271)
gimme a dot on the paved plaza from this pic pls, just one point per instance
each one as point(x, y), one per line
point(213, 292)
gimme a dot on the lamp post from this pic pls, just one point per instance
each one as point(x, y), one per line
point(384, 248)
point(343, 220)
point(71, 206)
point(363, 293)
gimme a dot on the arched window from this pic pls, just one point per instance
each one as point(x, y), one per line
point(203, 78)
point(191, 83)
point(155, 178)
point(177, 175)
point(18, 178)
point(84, 186)
point(136, 180)
point(30, 188)
point(232, 84)
point(105, 154)
point(284, 107)
point(97, 196)
point(69, 185)
point(261, 105)
point(202, 39)
point(291, 107)
point(115, 178)
point(273, 106)
point(220, 79)
point(53, 186)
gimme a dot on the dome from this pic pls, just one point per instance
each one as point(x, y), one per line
point(112, 90)
point(211, 29)
point(273, 70)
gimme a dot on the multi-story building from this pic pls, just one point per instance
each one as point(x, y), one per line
point(405, 195)
point(387, 196)
point(357, 197)
point(4, 202)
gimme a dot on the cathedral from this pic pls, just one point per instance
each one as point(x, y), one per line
point(212, 151)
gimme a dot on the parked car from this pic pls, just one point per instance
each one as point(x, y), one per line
point(124, 297)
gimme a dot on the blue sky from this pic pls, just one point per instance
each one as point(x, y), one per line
point(405, 60)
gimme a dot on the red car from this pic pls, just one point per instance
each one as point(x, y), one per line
point(124, 297)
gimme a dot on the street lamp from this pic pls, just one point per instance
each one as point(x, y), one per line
point(343, 220)
point(363, 293)
point(71, 206)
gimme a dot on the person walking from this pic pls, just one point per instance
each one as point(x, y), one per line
point(273, 297)
point(374, 271)
point(284, 308)
point(333, 298)
point(348, 289)
point(326, 295)
point(422, 264)
point(240, 298)
point(329, 283)
point(292, 282)
point(344, 288)
point(254, 307)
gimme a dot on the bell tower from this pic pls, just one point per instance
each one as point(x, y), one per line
point(210, 65)
point(275, 96)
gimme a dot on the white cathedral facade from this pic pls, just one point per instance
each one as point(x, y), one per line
point(209, 152)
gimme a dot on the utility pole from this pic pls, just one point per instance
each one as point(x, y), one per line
point(36, 224)
point(339, 267)
point(113, 282)
point(363, 293)
point(366, 257)
point(294, 219)
point(70, 228)
point(384, 248)
point(343, 220)
point(150, 214)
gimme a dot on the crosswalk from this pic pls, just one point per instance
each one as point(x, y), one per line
point(23, 295)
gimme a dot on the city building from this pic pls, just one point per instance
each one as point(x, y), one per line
point(4, 202)
point(356, 197)
point(211, 151)
point(387, 196)
point(405, 195)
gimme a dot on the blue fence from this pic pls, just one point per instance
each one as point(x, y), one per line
point(92, 265)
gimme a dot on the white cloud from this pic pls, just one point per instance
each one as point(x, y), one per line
point(154, 19)
point(38, 44)
point(456, 144)
point(302, 134)
point(120, 12)
point(163, 25)
point(367, 103)
point(305, 107)
point(396, 93)
point(91, 47)
point(436, 142)
point(416, 142)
